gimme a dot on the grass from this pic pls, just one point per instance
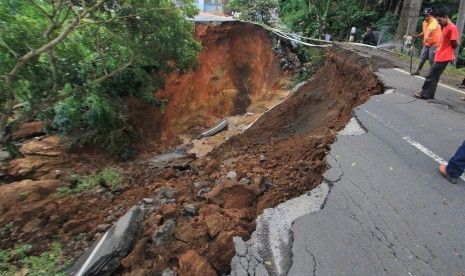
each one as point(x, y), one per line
point(110, 179)
point(449, 69)
point(17, 262)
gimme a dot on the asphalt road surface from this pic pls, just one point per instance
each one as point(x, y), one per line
point(388, 211)
point(383, 208)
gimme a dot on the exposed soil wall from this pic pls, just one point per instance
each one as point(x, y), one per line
point(237, 66)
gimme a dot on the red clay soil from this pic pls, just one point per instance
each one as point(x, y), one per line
point(282, 155)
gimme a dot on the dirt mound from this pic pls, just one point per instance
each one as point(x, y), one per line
point(281, 156)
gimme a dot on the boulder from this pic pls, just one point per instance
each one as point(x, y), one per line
point(14, 193)
point(233, 194)
point(27, 130)
point(222, 250)
point(192, 264)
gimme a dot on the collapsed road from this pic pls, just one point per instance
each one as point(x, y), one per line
point(191, 215)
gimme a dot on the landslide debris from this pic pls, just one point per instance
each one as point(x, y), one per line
point(196, 212)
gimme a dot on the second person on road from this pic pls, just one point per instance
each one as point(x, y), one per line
point(431, 36)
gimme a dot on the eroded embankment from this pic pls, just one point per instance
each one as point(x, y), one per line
point(220, 195)
point(237, 68)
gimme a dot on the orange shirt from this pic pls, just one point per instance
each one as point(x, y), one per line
point(435, 35)
point(445, 51)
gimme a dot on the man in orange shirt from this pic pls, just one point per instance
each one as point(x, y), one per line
point(431, 35)
point(444, 55)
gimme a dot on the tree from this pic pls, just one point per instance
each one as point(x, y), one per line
point(72, 61)
point(321, 8)
point(408, 19)
point(256, 10)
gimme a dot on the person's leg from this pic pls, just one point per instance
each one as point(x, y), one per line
point(456, 164)
point(423, 57)
point(432, 51)
point(431, 81)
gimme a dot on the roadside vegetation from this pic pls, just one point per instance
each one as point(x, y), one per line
point(316, 18)
point(73, 64)
point(17, 262)
point(107, 181)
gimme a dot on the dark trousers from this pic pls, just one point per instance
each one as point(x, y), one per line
point(457, 163)
point(431, 82)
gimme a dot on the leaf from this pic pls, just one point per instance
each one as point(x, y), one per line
point(354, 164)
point(391, 168)
point(267, 263)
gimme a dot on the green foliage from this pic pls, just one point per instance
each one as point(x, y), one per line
point(96, 118)
point(48, 263)
point(387, 27)
point(296, 16)
point(110, 179)
point(121, 49)
point(256, 10)
point(312, 59)
point(348, 14)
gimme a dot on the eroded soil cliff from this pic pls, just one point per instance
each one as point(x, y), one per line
point(219, 195)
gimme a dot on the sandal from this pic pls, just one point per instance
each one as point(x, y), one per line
point(419, 96)
point(463, 98)
point(443, 172)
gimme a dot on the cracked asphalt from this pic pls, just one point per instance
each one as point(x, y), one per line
point(388, 211)
point(383, 208)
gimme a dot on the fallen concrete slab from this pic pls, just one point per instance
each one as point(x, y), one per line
point(105, 255)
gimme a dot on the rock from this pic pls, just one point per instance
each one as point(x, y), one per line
point(246, 180)
point(203, 191)
point(192, 264)
point(189, 210)
point(103, 227)
point(73, 224)
point(184, 232)
point(169, 211)
point(233, 194)
point(29, 190)
point(221, 250)
point(27, 130)
point(214, 225)
point(210, 209)
point(153, 220)
point(50, 146)
point(168, 272)
point(105, 255)
point(263, 158)
point(232, 175)
point(211, 167)
point(164, 233)
point(167, 193)
point(137, 256)
point(148, 200)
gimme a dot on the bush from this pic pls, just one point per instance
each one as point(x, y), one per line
point(110, 180)
point(48, 263)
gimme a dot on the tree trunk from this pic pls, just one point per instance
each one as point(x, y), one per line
point(7, 110)
point(408, 19)
point(460, 23)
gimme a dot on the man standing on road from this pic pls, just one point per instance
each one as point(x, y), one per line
point(455, 167)
point(444, 55)
point(431, 35)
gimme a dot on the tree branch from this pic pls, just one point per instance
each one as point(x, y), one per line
point(3, 43)
point(22, 61)
point(47, 103)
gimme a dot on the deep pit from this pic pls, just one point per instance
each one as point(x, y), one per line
point(280, 157)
